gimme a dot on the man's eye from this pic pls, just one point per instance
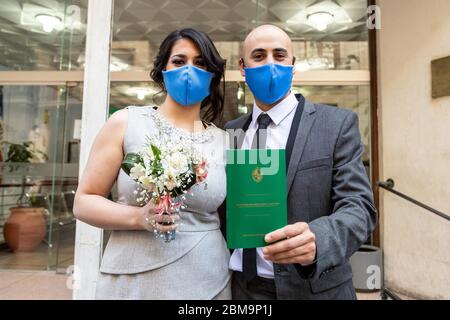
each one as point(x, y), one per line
point(257, 57)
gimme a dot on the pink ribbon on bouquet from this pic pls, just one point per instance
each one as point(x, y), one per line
point(166, 205)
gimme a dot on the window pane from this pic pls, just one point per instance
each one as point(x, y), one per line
point(42, 35)
point(354, 98)
point(140, 27)
point(43, 174)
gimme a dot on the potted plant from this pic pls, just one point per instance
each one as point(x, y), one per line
point(26, 226)
point(24, 152)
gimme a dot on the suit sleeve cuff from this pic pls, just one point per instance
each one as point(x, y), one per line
point(306, 272)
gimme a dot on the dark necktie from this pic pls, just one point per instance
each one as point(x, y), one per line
point(259, 142)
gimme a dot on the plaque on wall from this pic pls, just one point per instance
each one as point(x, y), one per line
point(440, 77)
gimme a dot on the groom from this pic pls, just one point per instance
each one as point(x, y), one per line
point(330, 205)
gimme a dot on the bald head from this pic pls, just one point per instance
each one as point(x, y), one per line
point(267, 43)
point(267, 32)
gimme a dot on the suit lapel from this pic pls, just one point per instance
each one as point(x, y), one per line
point(238, 141)
point(294, 128)
point(304, 129)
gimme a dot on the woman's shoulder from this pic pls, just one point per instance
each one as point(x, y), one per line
point(140, 109)
point(122, 116)
point(215, 129)
point(118, 119)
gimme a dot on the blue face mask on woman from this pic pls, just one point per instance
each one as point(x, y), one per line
point(187, 85)
point(270, 82)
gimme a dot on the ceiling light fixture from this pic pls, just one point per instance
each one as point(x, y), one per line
point(141, 92)
point(49, 23)
point(320, 20)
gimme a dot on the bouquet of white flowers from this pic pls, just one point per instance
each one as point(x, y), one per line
point(165, 172)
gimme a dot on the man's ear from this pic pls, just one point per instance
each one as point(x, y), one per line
point(293, 63)
point(242, 66)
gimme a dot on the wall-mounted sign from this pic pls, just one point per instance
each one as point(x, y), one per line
point(440, 77)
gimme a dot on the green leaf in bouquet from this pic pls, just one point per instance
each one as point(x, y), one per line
point(131, 159)
point(157, 169)
point(156, 152)
point(187, 185)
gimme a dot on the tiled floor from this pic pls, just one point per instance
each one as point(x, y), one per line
point(38, 284)
point(369, 296)
point(30, 285)
point(42, 258)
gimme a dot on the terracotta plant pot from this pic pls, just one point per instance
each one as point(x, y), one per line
point(25, 228)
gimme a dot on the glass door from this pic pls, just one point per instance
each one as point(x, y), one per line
point(33, 119)
point(41, 58)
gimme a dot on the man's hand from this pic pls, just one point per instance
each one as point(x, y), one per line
point(297, 244)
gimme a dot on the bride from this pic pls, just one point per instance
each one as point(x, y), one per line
point(135, 264)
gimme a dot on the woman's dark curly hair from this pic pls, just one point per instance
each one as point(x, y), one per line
point(212, 106)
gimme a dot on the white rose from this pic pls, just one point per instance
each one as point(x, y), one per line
point(170, 180)
point(137, 171)
point(170, 185)
point(178, 162)
point(147, 183)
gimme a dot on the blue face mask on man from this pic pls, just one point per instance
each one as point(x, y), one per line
point(270, 82)
point(187, 85)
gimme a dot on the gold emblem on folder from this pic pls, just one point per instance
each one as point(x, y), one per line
point(256, 175)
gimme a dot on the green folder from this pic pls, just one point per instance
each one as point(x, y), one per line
point(256, 196)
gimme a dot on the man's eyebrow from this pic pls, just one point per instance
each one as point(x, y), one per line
point(280, 50)
point(258, 50)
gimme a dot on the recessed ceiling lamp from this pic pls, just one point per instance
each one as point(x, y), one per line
point(49, 23)
point(320, 20)
point(141, 92)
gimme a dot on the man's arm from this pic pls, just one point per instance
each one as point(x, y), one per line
point(353, 218)
point(330, 240)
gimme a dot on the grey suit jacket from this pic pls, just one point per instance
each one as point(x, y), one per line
point(327, 187)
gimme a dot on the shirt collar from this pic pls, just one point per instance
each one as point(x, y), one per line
point(279, 112)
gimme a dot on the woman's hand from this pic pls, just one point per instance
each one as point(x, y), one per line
point(150, 220)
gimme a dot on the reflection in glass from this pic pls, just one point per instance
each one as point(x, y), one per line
point(43, 187)
point(354, 98)
point(42, 35)
point(139, 28)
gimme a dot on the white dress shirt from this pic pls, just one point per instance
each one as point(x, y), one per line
point(277, 135)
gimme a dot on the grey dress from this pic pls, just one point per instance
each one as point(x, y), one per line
point(136, 265)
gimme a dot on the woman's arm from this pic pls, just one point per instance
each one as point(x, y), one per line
point(91, 205)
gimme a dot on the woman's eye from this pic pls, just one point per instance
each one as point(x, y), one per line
point(200, 63)
point(177, 62)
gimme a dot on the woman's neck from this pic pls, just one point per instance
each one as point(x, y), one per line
point(183, 117)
